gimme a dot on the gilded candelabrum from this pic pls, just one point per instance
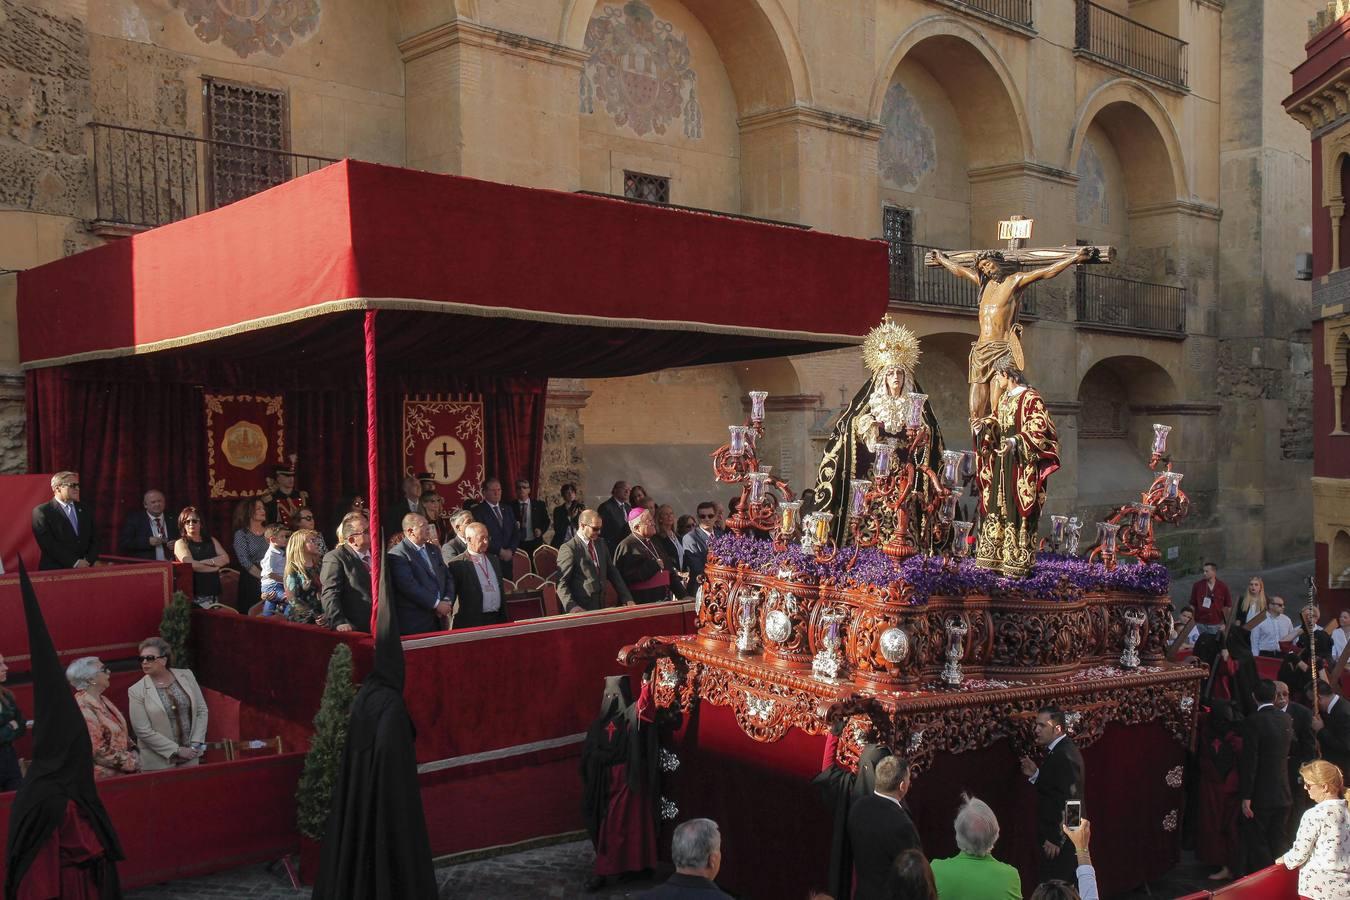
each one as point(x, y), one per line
point(736, 462)
point(1163, 501)
point(892, 493)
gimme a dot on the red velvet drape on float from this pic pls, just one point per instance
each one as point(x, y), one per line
point(131, 424)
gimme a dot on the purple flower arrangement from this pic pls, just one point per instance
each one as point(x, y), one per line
point(1053, 577)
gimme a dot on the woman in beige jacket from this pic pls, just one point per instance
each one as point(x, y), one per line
point(168, 711)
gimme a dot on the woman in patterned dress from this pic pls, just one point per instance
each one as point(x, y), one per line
point(302, 577)
point(168, 711)
point(1321, 850)
point(108, 732)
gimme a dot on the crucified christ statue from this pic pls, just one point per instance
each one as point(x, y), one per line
point(1001, 285)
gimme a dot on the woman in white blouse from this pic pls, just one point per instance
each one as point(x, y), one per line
point(1338, 637)
point(1321, 851)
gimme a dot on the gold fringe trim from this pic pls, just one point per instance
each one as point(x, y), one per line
point(361, 304)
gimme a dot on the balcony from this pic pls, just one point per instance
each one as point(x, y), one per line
point(147, 178)
point(1125, 44)
point(914, 283)
point(1123, 304)
point(1014, 13)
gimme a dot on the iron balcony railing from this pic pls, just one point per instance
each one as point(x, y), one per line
point(146, 178)
point(913, 282)
point(1125, 43)
point(1129, 305)
point(1018, 12)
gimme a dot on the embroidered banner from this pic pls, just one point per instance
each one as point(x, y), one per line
point(444, 436)
point(244, 438)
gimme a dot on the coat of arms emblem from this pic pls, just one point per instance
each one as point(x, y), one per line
point(640, 71)
point(246, 26)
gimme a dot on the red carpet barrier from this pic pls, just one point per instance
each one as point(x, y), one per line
point(19, 494)
point(776, 830)
point(101, 611)
point(182, 822)
point(1274, 883)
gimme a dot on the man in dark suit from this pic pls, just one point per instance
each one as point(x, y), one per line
point(1263, 780)
point(455, 544)
point(565, 516)
point(344, 577)
point(1304, 749)
point(423, 591)
point(1333, 727)
point(409, 502)
point(696, 543)
point(503, 532)
point(879, 828)
point(64, 527)
point(146, 533)
point(584, 565)
point(1058, 780)
point(696, 851)
point(614, 515)
point(532, 517)
point(478, 581)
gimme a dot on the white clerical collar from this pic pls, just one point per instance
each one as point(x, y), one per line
point(1051, 747)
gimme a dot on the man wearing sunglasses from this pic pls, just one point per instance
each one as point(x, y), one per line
point(64, 527)
point(696, 542)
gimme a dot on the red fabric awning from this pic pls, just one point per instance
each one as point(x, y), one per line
point(566, 267)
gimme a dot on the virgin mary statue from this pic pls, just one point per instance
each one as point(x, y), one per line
point(879, 411)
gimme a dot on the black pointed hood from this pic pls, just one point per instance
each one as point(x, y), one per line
point(62, 769)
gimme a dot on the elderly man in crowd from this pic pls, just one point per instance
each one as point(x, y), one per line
point(584, 565)
point(879, 828)
point(64, 527)
point(478, 581)
point(422, 588)
point(614, 514)
point(974, 874)
point(146, 533)
point(696, 851)
point(344, 577)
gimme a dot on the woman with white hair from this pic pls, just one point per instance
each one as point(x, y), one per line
point(974, 874)
point(108, 732)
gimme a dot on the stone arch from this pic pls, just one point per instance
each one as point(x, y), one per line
point(1143, 134)
point(755, 38)
point(1338, 560)
point(980, 73)
point(942, 372)
point(1119, 399)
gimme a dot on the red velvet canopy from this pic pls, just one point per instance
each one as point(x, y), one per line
point(594, 286)
point(481, 287)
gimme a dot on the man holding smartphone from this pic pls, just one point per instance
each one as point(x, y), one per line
point(1058, 780)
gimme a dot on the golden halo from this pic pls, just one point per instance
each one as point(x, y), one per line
point(890, 346)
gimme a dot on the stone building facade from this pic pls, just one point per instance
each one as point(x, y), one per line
point(1148, 125)
point(1321, 104)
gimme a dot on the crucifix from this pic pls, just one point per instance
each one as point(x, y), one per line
point(445, 453)
point(1000, 281)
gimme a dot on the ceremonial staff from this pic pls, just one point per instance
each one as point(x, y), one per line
point(1308, 625)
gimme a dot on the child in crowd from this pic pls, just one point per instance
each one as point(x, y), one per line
point(273, 570)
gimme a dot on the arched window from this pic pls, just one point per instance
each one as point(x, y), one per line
point(1344, 191)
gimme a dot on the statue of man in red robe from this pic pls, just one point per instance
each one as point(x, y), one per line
point(1017, 450)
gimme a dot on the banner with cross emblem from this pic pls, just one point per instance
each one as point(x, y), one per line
point(444, 436)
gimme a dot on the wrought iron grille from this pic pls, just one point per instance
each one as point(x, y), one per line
point(251, 125)
point(1129, 305)
point(1017, 12)
point(913, 282)
point(146, 178)
point(641, 186)
point(1127, 44)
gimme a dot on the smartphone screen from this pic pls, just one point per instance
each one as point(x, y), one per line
point(1073, 813)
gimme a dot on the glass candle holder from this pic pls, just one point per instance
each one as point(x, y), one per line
point(1160, 433)
point(1106, 536)
point(757, 480)
point(757, 399)
point(960, 536)
point(915, 411)
point(821, 527)
point(885, 458)
point(739, 439)
point(1172, 484)
point(1142, 513)
point(857, 496)
point(1057, 524)
point(787, 516)
point(951, 466)
point(1072, 530)
point(967, 464)
point(763, 469)
point(948, 510)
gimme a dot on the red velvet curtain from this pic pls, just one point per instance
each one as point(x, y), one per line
point(128, 425)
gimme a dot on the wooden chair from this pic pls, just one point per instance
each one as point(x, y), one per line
point(520, 564)
point(234, 749)
point(545, 561)
point(552, 605)
point(529, 582)
point(229, 588)
point(508, 586)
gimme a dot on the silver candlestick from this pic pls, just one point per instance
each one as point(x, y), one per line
point(1129, 657)
point(828, 661)
point(956, 633)
point(747, 637)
